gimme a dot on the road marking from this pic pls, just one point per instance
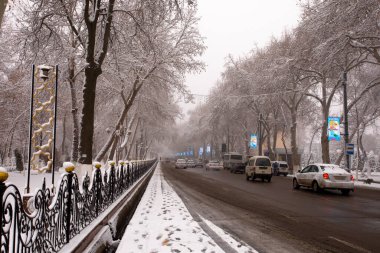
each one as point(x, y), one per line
point(350, 245)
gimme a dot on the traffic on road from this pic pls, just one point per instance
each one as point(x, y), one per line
point(279, 217)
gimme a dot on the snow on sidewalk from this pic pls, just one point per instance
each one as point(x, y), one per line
point(162, 223)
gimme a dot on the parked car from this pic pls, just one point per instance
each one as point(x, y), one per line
point(180, 164)
point(324, 176)
point(190, 164)
point(280, 168)
point(259, 167)
point(214, 165)
point(199, 163)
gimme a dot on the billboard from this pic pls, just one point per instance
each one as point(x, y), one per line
point(253, 141)
point(200, 151)
point(333, 130)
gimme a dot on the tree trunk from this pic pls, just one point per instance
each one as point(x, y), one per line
point(274, 143)
point(310, 145)
point(133, 139)
point(324, 139)
point(3, 7)
point(113, 149)
point(92, 73)
point(293, 140)
point(63, 136)
point(19, 163)
point(74, 103)
point(284, 143)
point(325, 145)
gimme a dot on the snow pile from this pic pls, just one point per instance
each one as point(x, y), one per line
point(162, 223)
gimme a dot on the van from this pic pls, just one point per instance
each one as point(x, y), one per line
point(259, 167)
point(233, 161)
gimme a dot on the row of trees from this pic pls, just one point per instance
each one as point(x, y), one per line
point(296, 83)
point(122, 65)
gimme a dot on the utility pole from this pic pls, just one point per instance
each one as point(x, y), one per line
point(260, 135)
point(345, 118)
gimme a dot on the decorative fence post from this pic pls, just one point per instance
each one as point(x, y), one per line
point(121, 175)
point(69, 169)
point(112, 180)
point(3, 178)
point(128, 174)
point(98, 187)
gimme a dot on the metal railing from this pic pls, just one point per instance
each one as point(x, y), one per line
point(56, 219)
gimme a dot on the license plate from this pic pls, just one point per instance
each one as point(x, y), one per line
point(262, 168)
point(340, 177)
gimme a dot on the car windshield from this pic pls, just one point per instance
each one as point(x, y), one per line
point(181, 161)
point(262, 162)
point(283, 165)
point(236, 157)
point(214, 161)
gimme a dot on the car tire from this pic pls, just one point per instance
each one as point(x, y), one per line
point(285, 174)
point(296, 186)
point(345, 192)
point(269, 179)
point(247, 177)
point(315, 186)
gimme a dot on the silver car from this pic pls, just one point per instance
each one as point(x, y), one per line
point(214, 165)
point(324, 176)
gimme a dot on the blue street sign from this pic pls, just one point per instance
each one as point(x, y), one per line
point(350, 149)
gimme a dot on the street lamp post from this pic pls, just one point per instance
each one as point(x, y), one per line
point(43, 96)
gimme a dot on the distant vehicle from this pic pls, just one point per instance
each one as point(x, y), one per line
point(324, 176)
point(232, 160)
point(199, 163)
point(280, 168)
point(238, 168)
point(180, 164)
point(259, 167)
point(190, 164)
point(214, 165)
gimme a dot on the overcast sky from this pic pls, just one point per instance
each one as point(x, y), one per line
point(235, 27)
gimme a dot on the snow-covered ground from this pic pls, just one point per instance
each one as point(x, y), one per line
point(162, 223)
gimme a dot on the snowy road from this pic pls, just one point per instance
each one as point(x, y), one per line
point(274, 218)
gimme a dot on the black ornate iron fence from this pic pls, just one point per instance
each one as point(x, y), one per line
point(58, 218)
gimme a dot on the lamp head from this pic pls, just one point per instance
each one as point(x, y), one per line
point(44, 71)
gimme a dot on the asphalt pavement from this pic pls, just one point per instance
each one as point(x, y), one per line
point(272, 217)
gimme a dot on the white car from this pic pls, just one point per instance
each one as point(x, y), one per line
point(324, 176)
point(190, 164)
point(214, 165)
point(280, 168)
point(180, 164)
